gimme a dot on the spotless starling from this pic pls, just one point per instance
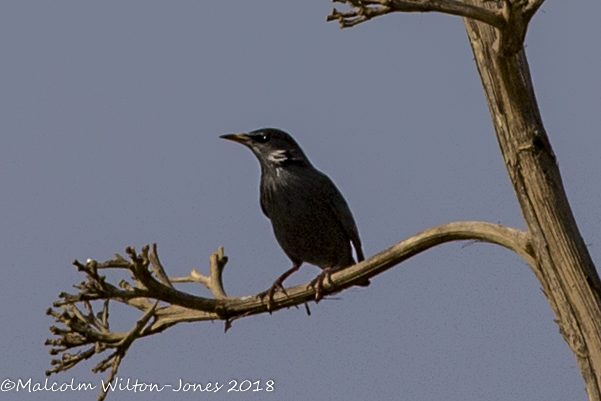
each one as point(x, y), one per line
point(311, 220)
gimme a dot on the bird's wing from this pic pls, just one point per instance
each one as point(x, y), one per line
point(343, 214)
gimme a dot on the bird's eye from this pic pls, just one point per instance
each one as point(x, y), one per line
point(261, 138)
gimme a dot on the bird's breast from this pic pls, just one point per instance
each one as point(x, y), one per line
point(304, 223)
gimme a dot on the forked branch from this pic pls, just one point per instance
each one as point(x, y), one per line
point(510, 17)
point(152, 291)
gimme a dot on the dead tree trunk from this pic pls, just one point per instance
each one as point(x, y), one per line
point(562, 262)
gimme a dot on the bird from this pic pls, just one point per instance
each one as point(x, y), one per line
point(310, 218)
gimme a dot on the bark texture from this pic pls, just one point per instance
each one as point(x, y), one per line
point(562, 262)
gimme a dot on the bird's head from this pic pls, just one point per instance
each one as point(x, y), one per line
point(273, 147)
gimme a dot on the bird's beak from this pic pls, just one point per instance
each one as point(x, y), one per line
point(239, 137)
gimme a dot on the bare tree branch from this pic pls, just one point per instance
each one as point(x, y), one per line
point(84, 328)
point(158, 268)
point(367, 9)
point(511, 18)
point(114, 360)
point(214, 282)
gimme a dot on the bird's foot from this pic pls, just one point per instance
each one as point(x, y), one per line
point(317, 283)
point(276, 286)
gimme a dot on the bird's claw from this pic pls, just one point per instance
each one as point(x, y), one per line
point(317, 283)
point(277, 286)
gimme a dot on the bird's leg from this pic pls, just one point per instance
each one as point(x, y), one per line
point(317, 282)
point(277, 285)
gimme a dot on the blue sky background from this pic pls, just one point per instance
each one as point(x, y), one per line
point(110, 114)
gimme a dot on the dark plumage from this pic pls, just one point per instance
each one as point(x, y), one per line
point(311, 220)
